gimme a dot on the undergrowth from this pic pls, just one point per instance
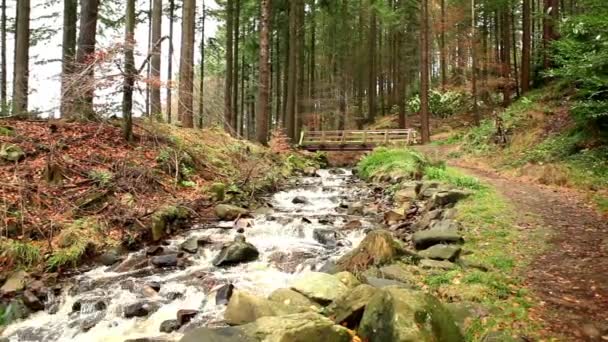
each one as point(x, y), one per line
point(22, 254)
point(451, 176)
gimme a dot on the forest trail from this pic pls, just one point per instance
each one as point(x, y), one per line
point(569, 277)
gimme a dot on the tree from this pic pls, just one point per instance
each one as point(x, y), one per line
point(3, 99)
point(21, 62)
point(85, 60)
point(263, 95)
point(201, 92)
point(424, 72)
point(129, 72)
point(186, 75)
point(526, 47)
point(292, 70)
point(170, 62)
point(372, 77)
point(70, 18)
point(550, 21)
point(155, 63)
point(229, 64)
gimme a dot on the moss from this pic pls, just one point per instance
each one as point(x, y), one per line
point(218, 190)
point(21, 253)
point(164, 218)
point(75, 240)
point(394, 162)
point(7, 131)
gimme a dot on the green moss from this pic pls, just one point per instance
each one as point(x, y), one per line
point(393, 161)
point(75, 240)
point(164, 218)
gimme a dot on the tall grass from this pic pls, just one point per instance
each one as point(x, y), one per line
point(393, 161)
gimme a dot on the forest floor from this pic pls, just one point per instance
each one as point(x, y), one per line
point(569, 276)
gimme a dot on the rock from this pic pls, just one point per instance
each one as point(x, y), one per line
point(14, 311)
point(398, 272)
point(290, 297)
point(441, 252)
point(38, 288)
point(300, 200)
point(228, 334)
point(329, 267)
point(139, 309)
point(227, 212)
point(155, 250)
point(399, 314)
point(109, 258)
point(449, 214)
point(11, 152)
point(218, 190)
point(184, 316)
point(320, 287)
point(301, 327)
point(393, 216)
point(352, 225)
point(15, 283)
point(190, 245)
point(443, 265)
point(32, 302)
point(428, 218)
point(148, 339)
point(223, 294)
point(154, 285)
point(164, 218)
point(90, 322)
point(427, 238)
point(404, 195)
point(422, 189)
point(327, 237)
point(348, 310)
point(236, 252)
point(348, 279)
point(169, 326)
point(465, 313)
point(355, 208)
point(444, 198)
point(337, 172)
point(378, 247)
point(310, 172)
point(167, 260)
point(244, 308)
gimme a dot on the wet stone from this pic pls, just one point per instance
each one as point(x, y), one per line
point(223, 294)
point(169, 326)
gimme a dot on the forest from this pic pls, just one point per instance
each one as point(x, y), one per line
point(303, 170)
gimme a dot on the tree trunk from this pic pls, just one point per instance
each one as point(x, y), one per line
point(474, 62)
point(201, 85)
point(85, 60)
point(21, 62)
point(129, 72)
point(292, 70)
point(236, 119)
point(550, 18)
point(506, 56)
point(264, 65)
point(424, 72)
point(229, 63)
point(185, 109)
point(170, 62)
point(372, 77)
point(526, 52)
point(3, 99)
point(148, 65)
point(155, 63)
point(442, 51)
point(70, 18)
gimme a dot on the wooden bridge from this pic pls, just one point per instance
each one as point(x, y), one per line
point(350, 140)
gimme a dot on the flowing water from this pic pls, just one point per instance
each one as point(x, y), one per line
point(284, 234)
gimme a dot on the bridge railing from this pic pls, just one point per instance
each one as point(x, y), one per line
point(359, 137)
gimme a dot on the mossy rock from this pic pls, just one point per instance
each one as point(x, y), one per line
point(7, 131)
point(218, 190)
point(164, 219)
point(11, 153)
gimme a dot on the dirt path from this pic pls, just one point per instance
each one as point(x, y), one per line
point(571, 276)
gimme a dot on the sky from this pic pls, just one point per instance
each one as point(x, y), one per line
point(45, 56)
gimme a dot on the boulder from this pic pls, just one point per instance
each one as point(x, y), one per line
point(224, 334)
point(290, 297)
point(190, 245)
point(428, 218)
point(337, 172)
point(31, 301)
point(405, 195)
point(155, 250)
point(154, 285)
point(398, 272)
point(167, 260)
point(352, 225)
point(139, 309)
point(427, 238)
point(300, 200)
point(184, 316)
point(15, 283)
point(399, 314)
point(169, 326)
point(223, 294)
point(320, 287)
point(227, 212)
point(302, 327)
point(441, 252)
point(348, 279)
point(109, 258)
point(445, 198)
point(436, 264)
point(425, 189)
point(466, 313)
point(377, 248)
point(355, 208)
point(245, 308)
point(236, 252)
point(14, 311)
point(327, 237)
point(393, 216)
point(348, 310)
point(383, 282)
point(310, 171)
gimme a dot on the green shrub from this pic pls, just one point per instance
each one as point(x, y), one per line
point(101, 177)
point(395, 161)
point(442, 104)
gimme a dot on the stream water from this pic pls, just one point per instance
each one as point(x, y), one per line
point(283, 236)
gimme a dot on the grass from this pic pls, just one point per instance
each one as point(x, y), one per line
point(495, 241)
point(392, 161)
point(74, 241)
point(451, 176)
point(20, 253)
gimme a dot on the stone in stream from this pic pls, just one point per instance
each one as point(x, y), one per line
point(227, 212)
point(139, 309)
point(167, 260)
point(236, 252)
point(300, 200)
point(399, 314)
point(223, 294)
point(109, 258)
point(190, 245)
point(244, 307)
point(352, 225)
point(355, 208)
point(393, 216)
point(441, 252)
point(184, 316)
point(405, 195)
point(15, 283)
point(327, 237)
point(169, 326)
point(337, 172)
point(155, 250)
point(154, 285)
point(348, 310)
point(320, 287)
point(14, 311)
point(290, 297)
point(32, 302)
